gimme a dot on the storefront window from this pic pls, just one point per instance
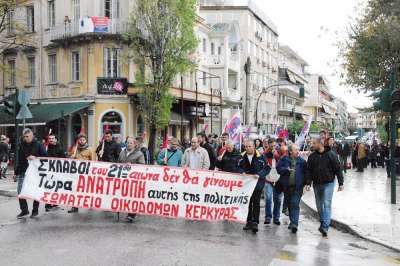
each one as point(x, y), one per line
point(113, 121)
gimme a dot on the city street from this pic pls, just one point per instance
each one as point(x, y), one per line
point(96, 238)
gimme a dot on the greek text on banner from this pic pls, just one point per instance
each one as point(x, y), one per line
point(143, 189)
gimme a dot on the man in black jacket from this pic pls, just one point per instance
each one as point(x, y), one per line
point(344, 153)
point(322, 167)
point(253, 163)
point(28, 150)
point(210, 150)
point(54, 150)
point(228, 160)
point(108, 150)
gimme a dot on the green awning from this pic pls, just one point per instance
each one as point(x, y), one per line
point(44, 112)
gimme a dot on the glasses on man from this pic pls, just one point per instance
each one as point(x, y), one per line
point(25, 137)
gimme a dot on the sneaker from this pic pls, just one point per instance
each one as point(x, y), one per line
point(247, 226)
point(73, 210)
point(34, 214)
point(323, 232)
point(277, 222)
point(267, 221)
point(294, 229)
point(22, 214)
point(254, 227)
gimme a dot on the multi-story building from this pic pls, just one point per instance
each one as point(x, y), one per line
point(352, 125)
point(76, 68)
point(293, 86)
point(342, 118)
point(259, 45)
point(366, 120)
point(320, 104)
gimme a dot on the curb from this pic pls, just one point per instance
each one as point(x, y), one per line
point(343, 227)
point(8, 193)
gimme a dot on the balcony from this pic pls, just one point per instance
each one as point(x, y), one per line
point(231, 95)
point(69, 31)
point(60, 91)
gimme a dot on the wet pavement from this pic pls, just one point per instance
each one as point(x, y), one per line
point(365, 206)
point(97, 238)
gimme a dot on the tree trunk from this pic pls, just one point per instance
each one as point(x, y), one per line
point(152, 141)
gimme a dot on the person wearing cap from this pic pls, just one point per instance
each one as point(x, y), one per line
point(82, 151)
point(171, 156)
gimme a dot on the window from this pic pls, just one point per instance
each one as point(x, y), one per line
point(204, 45)
point(112, 121)
point(212, 48)
point(10, 22)
point(112, 8)
point(52, 58)
point(112, 62)
point(249, 47)
point(31, 71)
point(51, 13)
point(30, 19)
point(76, 66)
point(204, 78)
point(77, 10)
point(11, 76)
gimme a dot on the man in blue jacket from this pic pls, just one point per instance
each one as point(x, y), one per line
point(253, 163)
point(172, 156)
point(292, 169)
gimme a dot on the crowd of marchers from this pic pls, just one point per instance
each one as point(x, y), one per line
point(283, 175)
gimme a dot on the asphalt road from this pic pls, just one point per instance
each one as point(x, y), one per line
point(97, 238)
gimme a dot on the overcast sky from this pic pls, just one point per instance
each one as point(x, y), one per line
point(310, 27)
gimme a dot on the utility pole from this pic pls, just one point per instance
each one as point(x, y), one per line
point(393, 140)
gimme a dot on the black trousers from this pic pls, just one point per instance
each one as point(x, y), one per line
point(254, 207)
point(23, 205)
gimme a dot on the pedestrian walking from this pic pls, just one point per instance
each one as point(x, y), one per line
point(82, 151)
point(133, 155)
point(322, 168)
point(211, 152)
point(253, 163)
point(361, 157)
point(28, 150)
point(292, 170)
point(171, 156)
point(272, 196)
point(54, 150)
point(344, 153)
point(196, 157)
point(228, 161)
point(108, 150)
point(4, 156)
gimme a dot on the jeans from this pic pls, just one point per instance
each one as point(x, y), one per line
point(323, 199)
point(23, 205)
point(253, 215)
point(272, 195)
point(343, 160)
point(293, 197)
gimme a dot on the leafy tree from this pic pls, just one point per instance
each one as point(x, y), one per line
point(161, 39)
point(295, 127)
point(314, 127)
point(372, 48)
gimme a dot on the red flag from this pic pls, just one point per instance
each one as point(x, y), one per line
point(165, 142)
point(46, 143)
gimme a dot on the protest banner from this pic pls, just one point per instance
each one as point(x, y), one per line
point(143, 189)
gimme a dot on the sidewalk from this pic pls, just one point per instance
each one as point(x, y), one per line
point(364, 208)
point(8, 187)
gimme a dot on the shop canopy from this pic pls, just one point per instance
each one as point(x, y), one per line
point(44, 112)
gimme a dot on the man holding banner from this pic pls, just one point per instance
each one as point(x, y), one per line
point(29, 149)
point(253, 163)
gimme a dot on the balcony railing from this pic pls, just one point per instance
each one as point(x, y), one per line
point(69, 30)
